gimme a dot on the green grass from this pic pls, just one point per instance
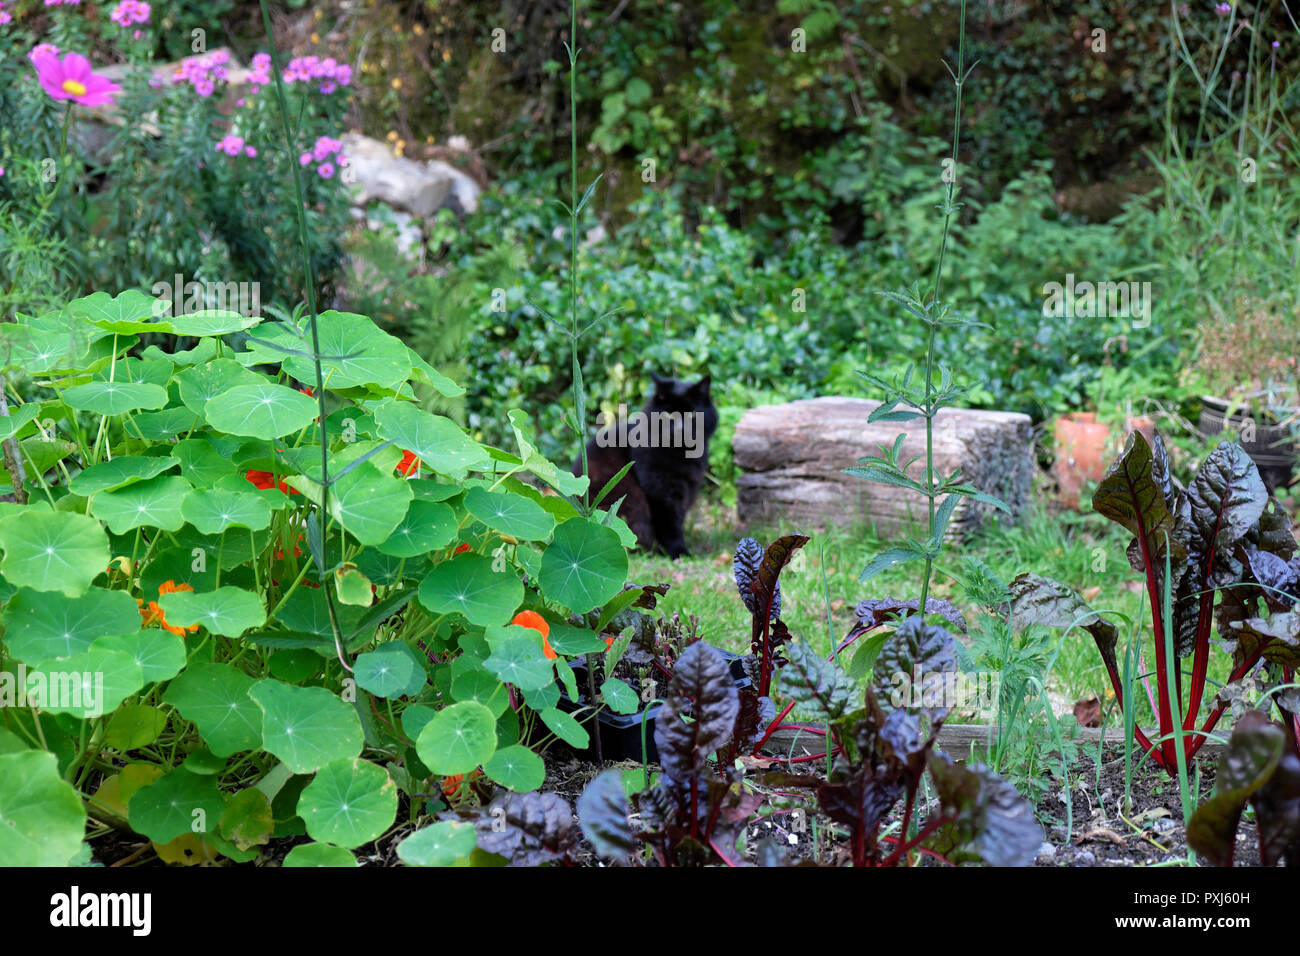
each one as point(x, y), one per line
point(1082, 551)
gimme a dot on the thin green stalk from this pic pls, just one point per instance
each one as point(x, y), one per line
point(310, 279)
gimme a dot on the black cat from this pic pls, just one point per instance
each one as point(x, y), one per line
point(669, 444)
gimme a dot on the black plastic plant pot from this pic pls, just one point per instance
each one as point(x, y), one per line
point(620, 734)
point(1269, 443)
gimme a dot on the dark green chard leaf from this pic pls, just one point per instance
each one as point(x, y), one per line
point(1224, 501)
point(757, 572)
point(811, 681)
point(1253, 754)
point(865, 781)
point(1136, 493)
point(1277, 806)
point(527, 829)
point(602, 814)
point(1276, 637)
point(1279, 579)
point(744, 564)
point(917, 656)
point(1039, 600)
point(701, 687)
point(989, 821)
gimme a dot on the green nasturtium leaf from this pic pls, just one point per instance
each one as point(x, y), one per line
point(349, 803)
point(353, 587)
point(42, 820)
point(215, 697)
point(111, 475)
point(177, 803)
point(202, 383)
point(439, 845)
point(390, 670)
point(44, 627)
point(115, 398)
point(263, 411)
point(248, 821)
point(467, 585)
point(368, 503)
point(426, 526)
point(510, 514)
point(474, 683)
point(584, 566)
point(213, 511)
point(229, 611)
point(621, 698)
point(155, 502)
point(11, 424)
point(516, 768)
point(133, 726)
point(164, 425)
point(212, 322)
point(521, 662)
point(160, 654)
point(306, 727)
point(355, 352)
point(566, 728)
point(436, 440)
point(121, 313)
point(319, 854)
point(202, 465)
point(52, 551)
point(458, 738)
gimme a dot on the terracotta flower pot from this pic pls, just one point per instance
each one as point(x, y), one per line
point(1085, 448)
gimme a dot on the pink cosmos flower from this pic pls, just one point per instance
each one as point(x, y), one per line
point(130, 11)
point(42, 49)
point(72, 79)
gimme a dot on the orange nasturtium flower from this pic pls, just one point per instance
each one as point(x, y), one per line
point(537, 623)
point(153, 614)
point(265, 480)
point(451, 785)
point(408, 465)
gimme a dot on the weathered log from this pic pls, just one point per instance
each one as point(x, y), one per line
point(792, 456)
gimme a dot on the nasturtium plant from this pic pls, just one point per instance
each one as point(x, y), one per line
point(274, 605)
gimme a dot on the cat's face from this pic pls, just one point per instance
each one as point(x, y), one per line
point(688, 398)
point(674, 395)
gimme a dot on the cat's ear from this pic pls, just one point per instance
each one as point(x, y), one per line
point(658, 379)
point(701, 387)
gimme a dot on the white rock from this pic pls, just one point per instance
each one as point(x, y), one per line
point(399, 182)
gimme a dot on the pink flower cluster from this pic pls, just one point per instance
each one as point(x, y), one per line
point(42, 49)
point(261, 74)
point(320, 154)
point(130, 11)
point(330, 73)
point(4, 17)
point(233, 145)
point(55, 3)
point(204, 72)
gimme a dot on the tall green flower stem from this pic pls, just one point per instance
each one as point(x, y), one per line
point(925, 401)
point(318, 548)
point(574, 331)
